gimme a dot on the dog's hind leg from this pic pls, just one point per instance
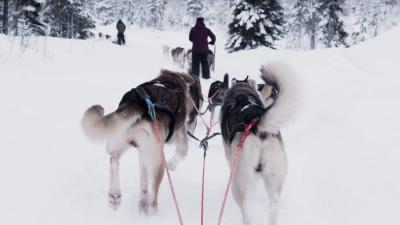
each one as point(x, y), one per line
point(114, 193)
point(150, 161)
point(243, 179)
point(181, 142)
point(144, 188)
point(274, 175)
point(156, 176)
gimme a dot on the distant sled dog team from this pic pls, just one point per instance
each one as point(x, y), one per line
point(176, 98)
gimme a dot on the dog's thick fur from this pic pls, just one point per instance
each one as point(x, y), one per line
point(179, 56)
point(130, 125)
point(263, 154)
point(197, 98)
point(216, 95)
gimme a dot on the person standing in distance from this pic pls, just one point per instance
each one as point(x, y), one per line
point(121, 29)
point(199, 37)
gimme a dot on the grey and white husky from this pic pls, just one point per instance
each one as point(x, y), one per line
point(263, 155)
point(130, 126)
point(216, 95)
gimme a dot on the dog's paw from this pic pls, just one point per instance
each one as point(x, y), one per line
point(153, 208)
point(143, 206)
point(114, 200)
point(246, 222)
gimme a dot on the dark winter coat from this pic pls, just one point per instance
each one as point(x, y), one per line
point(198, 36)
point(121, 27)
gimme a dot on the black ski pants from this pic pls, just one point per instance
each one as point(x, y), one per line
point(197, 59)
point(121, 38)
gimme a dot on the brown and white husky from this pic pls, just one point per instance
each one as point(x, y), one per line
point(130, 125)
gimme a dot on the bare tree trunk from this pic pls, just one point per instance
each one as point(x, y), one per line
point(5, 17)
point(313, 28)
point(71, 25)
point(16, 17)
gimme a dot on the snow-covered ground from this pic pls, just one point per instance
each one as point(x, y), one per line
point(343, 148)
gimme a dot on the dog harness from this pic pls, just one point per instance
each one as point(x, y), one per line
point(245, 109)
point(143, 92)
point(243, 114)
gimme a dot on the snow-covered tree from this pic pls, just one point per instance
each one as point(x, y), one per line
point(67, 19)
point(127, 10)
point(4, 16)
point(106, 11)
point(333, 33)
point(216, 12)
point(156, 10)
point(89, 5)
point(140, 17)
point(194, 8)
point(255, 23)
point(27, 19)
point(384, 14)
point(359, 22)
point(301, 23)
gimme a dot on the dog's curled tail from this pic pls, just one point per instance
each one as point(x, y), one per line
point(288, 102)
point(97, 127)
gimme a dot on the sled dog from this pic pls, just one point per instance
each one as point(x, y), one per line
point(131, 126)
point(263, 155)
point(178, 56)
point(166, 52)
point(216, 94)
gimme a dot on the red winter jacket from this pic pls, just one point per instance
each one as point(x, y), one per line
point(198, 35)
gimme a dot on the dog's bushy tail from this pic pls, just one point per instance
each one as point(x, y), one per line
point(97, 127)
point(289, 100)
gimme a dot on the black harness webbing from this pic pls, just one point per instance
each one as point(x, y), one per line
point(161, 106)
point(241, 126)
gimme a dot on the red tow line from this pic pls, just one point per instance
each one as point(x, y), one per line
point(239, 149)
point(208, 127)
point(158, 135)
point(202, 192)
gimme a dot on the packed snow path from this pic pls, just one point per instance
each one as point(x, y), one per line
point(343, 149)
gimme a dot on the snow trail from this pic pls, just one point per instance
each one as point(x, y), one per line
point(342, 149)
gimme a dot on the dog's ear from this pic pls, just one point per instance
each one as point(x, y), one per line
point(226, 81)
point(234, 81)
point(252, 83)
